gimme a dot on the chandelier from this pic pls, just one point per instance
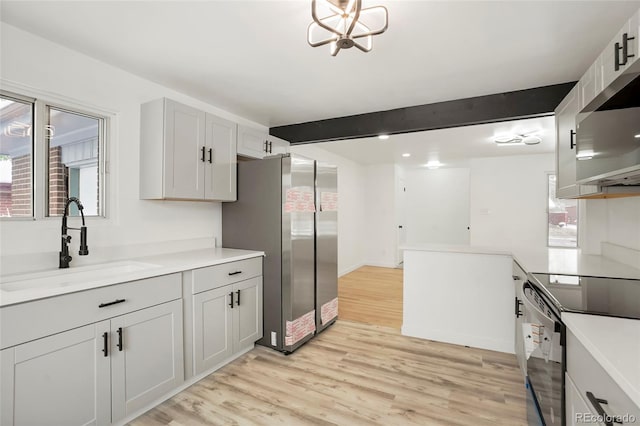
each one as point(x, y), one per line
point(345, 24)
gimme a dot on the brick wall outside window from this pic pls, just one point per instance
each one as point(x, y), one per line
point(5, 198)
point(58, 180)
point(21, 186)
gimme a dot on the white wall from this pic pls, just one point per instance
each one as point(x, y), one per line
point(509, 201)
point(616, 223)
point(351, 206)
point(35, 66)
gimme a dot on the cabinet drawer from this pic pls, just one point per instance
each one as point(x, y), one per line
point(227, 273)
point(32, 320)
point(589, 376)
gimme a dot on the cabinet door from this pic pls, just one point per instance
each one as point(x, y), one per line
point(576, 409)
point(251, 142)
point(615, 53)
point(57, 380)
point(277, 146)
point(220, 168)
point(212, 328)
point(146, 356)
point(519, 277)
point(184, 157)
point(565, 144)
point(247, 314)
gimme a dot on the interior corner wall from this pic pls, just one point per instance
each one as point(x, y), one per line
point(50, 70)
point(614, 220)
point(509, 201)
point(351, 206)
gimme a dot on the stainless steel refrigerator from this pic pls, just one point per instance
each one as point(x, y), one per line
point(276, 212)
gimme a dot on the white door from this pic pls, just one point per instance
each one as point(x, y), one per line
point(212, 327)
point(146, 356)
point(437, 206)
point(247, 314)
point(400, 219)
point(62, 379)
point(185, 151)
point(251, 142)
point(221, 159)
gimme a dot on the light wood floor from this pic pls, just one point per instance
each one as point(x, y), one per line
point(354, 374)
point(371, 295)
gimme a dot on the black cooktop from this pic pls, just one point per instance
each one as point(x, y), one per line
point(593, 295)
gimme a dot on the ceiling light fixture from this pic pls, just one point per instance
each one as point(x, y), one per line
point(344, 24)
point(433, 164)
point(637, 136)
point(406, 155)
point(383, 137)
point(528, 138)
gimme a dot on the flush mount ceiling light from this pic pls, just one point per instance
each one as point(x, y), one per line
point(528, 138)
point(383, 137)
point(406, 155)
point(343, 24)
point(433, 164)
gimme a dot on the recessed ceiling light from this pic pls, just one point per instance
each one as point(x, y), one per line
point(434, 164)
point(406, 154)
point(637, 136)
point(383, 137)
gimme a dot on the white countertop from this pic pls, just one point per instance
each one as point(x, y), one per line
point(25, 287)
point(615, 345)
point(548, 261)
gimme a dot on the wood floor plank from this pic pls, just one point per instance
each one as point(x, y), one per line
point(376, 377)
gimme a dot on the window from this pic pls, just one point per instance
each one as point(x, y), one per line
point(16, 157)
point(562, 219)
point(51, 147)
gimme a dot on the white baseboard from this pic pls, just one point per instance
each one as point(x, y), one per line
point(382, 264)
point(350, 269)
point(620, 254)
point(481, 342)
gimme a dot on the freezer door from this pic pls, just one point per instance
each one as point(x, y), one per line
point(298, 268)
point(326, 244)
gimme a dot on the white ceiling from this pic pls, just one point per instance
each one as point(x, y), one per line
point(251, 57)
point(451, 147)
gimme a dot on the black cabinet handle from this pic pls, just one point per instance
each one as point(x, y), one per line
point(231, 303)
point(608, 419)
point(266, 146)
point(115, 302)
point(210, 155)
point(617, 63)
point(518, 311)
point(572, 143)
point(625, 48)
point(238, 301)
point(120, 333)
point(235, 272)
point(202, 150)
point(270, 147)
point(105, 342)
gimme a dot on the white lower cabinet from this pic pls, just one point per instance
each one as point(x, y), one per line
point(227, 320)
point(101, 371)
point(519, 277)
point(146, 357)
point(577, 411)
point(62, 379)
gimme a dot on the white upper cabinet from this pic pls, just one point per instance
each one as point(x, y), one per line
point(591, 83)
point(566, 113)
point(254, 143)
point(621, 52)
point(186, 153)
point(220, 176)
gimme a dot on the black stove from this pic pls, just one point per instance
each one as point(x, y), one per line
point(593, 295)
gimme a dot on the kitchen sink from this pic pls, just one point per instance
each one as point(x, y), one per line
point(71, 276)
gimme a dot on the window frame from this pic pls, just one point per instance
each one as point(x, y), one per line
point(40, 153)
point(547, 176)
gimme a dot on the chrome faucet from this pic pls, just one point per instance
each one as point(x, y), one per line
point(65, 258)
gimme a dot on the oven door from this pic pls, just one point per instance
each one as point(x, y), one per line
point(545, 364)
